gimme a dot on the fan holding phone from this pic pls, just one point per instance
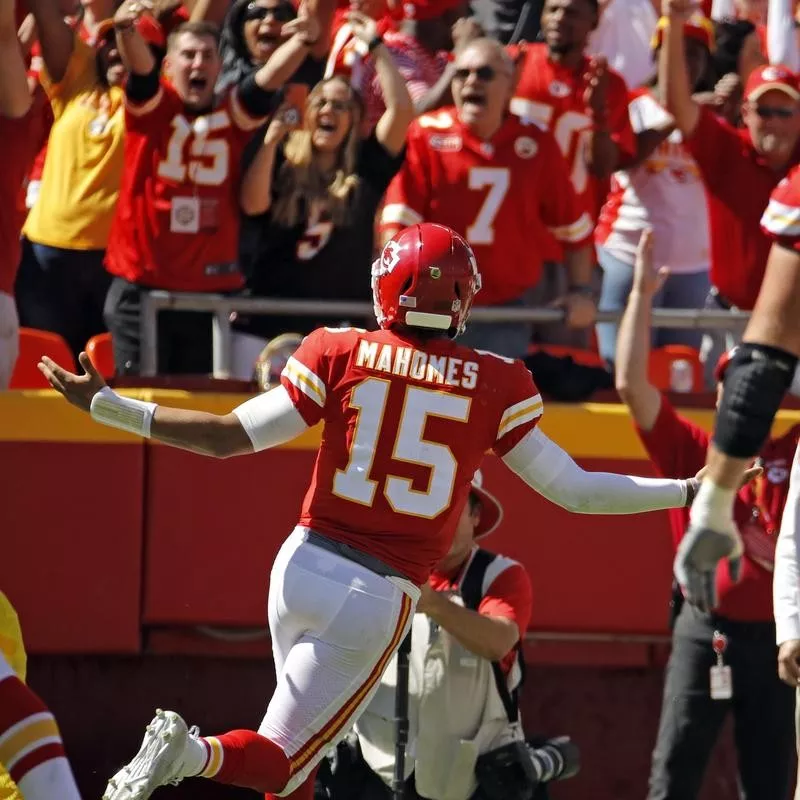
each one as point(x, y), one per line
point(311, 193)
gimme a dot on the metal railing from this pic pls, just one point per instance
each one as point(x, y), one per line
point(222, 306)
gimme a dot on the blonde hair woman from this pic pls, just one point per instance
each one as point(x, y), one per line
point(311, 193)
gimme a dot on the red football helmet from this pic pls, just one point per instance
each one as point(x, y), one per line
point(426, 277)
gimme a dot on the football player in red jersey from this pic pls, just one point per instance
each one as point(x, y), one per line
point(579, 99)
point(177, 221)
point(501, 183)
point(408, 415)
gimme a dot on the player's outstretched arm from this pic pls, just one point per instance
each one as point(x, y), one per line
point(264, 421)
point(545, 467)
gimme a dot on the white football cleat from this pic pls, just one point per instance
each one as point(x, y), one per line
point(159, 761)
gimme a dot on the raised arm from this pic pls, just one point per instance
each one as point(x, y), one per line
point(264, 421)
point(303, 33)
point(133, 49)
point(255, 194)
point(56, 39)
point(15, 96)
point(546, 468)
point(677, 90)
point(633, 339)
point(393, 125)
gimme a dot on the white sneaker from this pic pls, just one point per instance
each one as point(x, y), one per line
point(159, 761)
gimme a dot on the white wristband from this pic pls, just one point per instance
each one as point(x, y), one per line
point(134, 416)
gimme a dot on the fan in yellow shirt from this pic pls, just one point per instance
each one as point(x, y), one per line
point(62, 281)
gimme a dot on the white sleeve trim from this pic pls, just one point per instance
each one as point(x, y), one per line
point(399, 214)
point(786, 577)
point(781, 220)
point(520, 413)
point(270, 419)
point(574, 232)
point(307, 381)
point(545, 467)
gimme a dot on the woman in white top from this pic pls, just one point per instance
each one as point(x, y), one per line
point(662, 190)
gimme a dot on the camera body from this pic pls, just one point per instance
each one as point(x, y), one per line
point(516, 770)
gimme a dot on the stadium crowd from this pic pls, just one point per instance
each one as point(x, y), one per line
point(148, 148)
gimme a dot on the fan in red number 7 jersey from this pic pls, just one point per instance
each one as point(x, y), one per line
point(408, 415)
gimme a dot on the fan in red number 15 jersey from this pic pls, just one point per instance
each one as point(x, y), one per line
point(177, 222)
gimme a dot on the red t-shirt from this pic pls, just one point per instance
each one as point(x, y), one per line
point(509, 595)
point(738, 186)
point(553, 96)
point(501, 195)
point(177, 221)
point(678, 447)
point(20, 138)
point(406, 426)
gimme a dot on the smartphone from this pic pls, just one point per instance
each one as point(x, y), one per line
point(294, 101)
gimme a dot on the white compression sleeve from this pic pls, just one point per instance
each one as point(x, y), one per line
point(786, 579)
point(270, 419)
point(544, 466)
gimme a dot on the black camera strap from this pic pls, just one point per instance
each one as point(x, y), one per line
point(472, 593)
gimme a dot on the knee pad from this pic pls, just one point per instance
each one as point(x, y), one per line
point(756, 380)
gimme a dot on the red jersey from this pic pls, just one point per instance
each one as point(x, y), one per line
point(553, 96)
point(21, 139)
point(503, 196)
point(738, 186)
point(781, 219)
point(407, 424)
point(177, 222)
point(678, 447)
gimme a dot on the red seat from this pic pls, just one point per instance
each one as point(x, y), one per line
point(660, 368)
point(101, 352)
point(33, 344)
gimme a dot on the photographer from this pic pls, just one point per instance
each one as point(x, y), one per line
point(465, 668)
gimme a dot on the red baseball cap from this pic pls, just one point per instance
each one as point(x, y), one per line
point(146, 25)
point(491, 510)
point(772, 77)
point(697, 27)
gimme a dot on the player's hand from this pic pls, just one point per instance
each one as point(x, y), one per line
point(130, 11)
point(646, 278)
point(464, 31)
point(365, 29)
point(581, 309)
point(304, 25)
point(596, 94)
point(678, 11)
point(789, 662)
point(695, 566)
point(427, 597)
point(750, 474)
point(77, 389)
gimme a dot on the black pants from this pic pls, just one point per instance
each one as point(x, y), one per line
point(184, 337)
point(762, 707)
point(62, 291)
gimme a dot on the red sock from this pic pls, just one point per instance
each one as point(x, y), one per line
point(305, 791)
point(252, 761)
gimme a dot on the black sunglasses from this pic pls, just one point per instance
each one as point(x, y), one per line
point(484, 73)
point(281, 13)
point(765, 112)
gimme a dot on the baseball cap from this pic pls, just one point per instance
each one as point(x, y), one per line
point(769, 77)
point(491, 510)
point(697, 27)
point(146, 25)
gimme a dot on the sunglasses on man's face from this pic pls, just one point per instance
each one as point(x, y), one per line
point(281, 13)
point(484, 73)
point(765, 112)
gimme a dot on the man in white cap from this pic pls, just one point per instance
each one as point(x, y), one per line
point(466, 637)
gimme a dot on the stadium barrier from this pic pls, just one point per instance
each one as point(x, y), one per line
point(222, 307)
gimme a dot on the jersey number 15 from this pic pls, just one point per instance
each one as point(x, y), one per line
point(356, 482)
